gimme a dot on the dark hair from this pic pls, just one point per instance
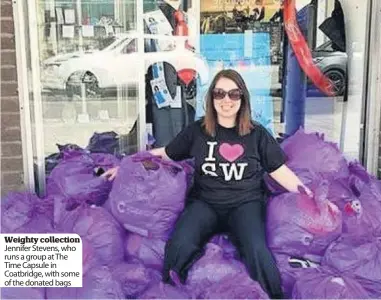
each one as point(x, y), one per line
point(243, 120)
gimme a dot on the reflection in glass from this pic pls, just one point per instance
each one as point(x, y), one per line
point(85, 79)
point(252, 40)
point(174, 68)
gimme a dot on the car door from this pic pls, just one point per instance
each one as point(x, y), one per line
point(125, 63)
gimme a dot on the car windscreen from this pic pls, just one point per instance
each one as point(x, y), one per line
point(113, 43)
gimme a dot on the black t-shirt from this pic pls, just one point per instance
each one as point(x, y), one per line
point(229, 167)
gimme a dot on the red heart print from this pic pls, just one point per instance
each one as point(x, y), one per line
point(231, 152)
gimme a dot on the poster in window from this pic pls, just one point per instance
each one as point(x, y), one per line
point(69, 16)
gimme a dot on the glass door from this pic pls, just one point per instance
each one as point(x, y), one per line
point(84, 65)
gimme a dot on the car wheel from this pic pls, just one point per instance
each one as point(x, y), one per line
point(337, 77)
point(78, 79)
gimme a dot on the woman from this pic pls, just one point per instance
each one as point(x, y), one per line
point(231, 154)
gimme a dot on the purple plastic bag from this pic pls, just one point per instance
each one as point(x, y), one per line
point(99, 228)
point(291, 268)
point(105, 142)
point(98, 283)
point(75, 180)
point(66, 150)
point(324, 283)
point(288, 274)
point(370, 181)
point(148, 195)
point(148, 251)
point(211, 268)
point(164, 291)
point(235, 286)
point(90, 262)
point(216, 276)
point(228, 248)
point(359, 207)
point(327, 158)
point(89, 256)
point(360, 257)
point(298, 225)
point(135, 278)
point(106, 161)
point(327, 163)
point(24, 212)
point(22, 293)
point(359, 197)
point(367, 188)
point(188, 166)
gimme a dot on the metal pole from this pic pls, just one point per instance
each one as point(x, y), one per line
point(197, 12)
point(37, 99)
point(373, 103)
point(23, 89)
point(141, 129)
point(83, 98)
point(79, 18)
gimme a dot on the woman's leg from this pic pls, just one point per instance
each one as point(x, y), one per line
point(194, 228)
point(247, 227)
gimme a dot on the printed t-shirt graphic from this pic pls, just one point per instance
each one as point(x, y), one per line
point(229, 153)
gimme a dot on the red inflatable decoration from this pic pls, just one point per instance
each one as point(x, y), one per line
point(187, 75)
point(181, 26)
point(302, 51)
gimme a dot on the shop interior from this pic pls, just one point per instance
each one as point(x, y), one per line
point(117, 76)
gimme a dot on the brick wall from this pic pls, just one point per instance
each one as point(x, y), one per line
point(11, 151)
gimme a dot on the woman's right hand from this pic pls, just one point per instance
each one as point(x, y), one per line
point(160, 152)
point(111, 173)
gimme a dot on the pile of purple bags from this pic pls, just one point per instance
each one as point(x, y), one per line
point(328, 246)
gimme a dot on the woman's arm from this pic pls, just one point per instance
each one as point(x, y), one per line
point(288, 179)
point(113, 172)
point(178, 149)
point(160, 152)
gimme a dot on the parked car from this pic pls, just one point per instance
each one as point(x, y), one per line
point(332, 63)
point(116, 65)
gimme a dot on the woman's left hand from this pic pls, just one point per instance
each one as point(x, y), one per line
point(309, 192)
point(111, 173)
point(288, 179)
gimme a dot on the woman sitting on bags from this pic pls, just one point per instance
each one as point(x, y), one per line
point(231, 154)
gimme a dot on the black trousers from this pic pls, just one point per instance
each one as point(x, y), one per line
point(246, 226)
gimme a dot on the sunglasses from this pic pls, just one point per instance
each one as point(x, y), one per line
point(219, 94)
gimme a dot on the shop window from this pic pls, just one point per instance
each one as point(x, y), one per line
point(98, 13)
point(83, 90)
point(87, 84)
point(253, 39)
